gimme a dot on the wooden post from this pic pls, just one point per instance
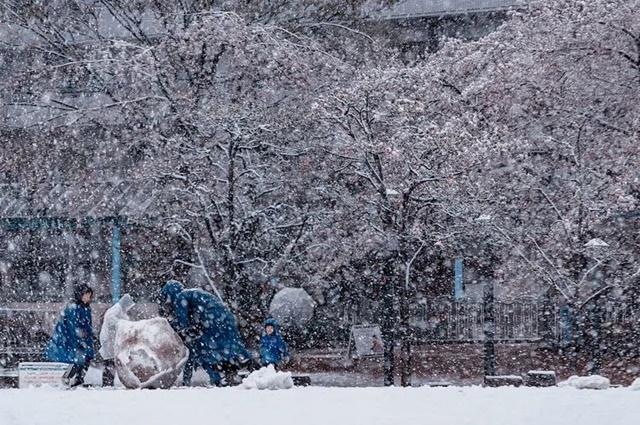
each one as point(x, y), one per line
point(389, 325)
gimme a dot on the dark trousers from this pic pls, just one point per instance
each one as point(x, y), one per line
point(187, 372)
point(74, 375)
point(108, 373)
point(220, 374)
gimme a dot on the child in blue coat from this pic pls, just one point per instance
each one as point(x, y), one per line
point(273, 349)
point(72, 339)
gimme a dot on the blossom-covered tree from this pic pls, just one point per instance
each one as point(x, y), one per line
point(406, 151)
point(214, 113)
point(560, 81)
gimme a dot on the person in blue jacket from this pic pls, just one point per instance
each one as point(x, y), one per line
point(273, 349)
point(209, 331)
point(72, 339)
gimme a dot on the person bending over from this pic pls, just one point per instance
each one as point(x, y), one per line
point(208, 329)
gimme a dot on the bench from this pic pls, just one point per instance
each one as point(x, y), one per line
point(540, 378)
point(503, 381)
point(301, 380)
point(8, 378)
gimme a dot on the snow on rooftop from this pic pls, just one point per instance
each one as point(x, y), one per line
point(420, 8)
point(595, 242)
point(81, 199)
point(542, 372)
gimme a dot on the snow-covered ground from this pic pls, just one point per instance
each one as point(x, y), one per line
point(322, 406)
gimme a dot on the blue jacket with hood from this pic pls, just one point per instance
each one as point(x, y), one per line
point(273, 349)
point(72, 339)
point(207, 327)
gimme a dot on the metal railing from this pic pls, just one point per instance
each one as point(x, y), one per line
point(444, 319)
point(23, 335)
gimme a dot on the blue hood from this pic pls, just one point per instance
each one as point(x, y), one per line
point(170, 291)
point(273, 322)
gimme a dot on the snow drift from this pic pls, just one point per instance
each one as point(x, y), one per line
point(149, 353)
point(593, 382)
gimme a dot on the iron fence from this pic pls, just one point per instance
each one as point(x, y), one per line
point(444, 319)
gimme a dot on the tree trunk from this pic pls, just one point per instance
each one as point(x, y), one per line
point(489, 329)
point(405, 375)
point(389, 325)
point(405, 339)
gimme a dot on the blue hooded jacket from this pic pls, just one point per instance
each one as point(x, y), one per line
point(169, 294)
point(205, 324)
point(273, 349)
point(72, 339)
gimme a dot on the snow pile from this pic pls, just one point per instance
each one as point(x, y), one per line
point(149, 354)
point(267, 378)
point(594, 382)
point(635, 385)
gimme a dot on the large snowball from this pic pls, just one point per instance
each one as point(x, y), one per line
point(149, 353)
point(292, 306)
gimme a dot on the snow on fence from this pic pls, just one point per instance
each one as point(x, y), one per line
point(624, 312)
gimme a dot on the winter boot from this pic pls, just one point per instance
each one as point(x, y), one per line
point(68, 374)
point(108, 373)
point(77, 376)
